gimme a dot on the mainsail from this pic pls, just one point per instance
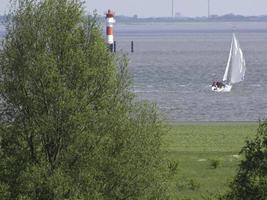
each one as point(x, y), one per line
point(236, 63)
point(228, 62)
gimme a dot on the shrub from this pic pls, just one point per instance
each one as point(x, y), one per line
point(214, 163)
point(187, 184)
point(172, 167)
point(250, 182)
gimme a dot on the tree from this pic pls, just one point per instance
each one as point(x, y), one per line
point(70, 127)
point(251, 179)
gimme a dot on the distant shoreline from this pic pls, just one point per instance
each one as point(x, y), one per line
point(171, 122)
point(157, 20)
point(179, 19)
point(212, 18)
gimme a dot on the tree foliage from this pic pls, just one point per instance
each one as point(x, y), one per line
point(251, 179)
point(70, 127)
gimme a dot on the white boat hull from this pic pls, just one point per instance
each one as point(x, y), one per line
point(226, 88)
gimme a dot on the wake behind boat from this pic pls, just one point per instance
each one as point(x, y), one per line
point(235, 68)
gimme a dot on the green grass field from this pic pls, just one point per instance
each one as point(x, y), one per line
point(195, 147)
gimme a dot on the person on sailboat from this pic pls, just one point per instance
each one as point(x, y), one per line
point(218, 84)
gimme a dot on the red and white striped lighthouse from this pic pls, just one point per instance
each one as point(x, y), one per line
point(110, 21)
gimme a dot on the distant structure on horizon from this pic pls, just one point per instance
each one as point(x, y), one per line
point(172, 8)
point(178, 15)
point(208, 8)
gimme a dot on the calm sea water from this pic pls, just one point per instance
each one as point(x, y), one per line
point(174, 64)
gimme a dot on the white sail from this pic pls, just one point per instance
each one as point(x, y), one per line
point(228, 62)
point(238, 67)
point(235, 68)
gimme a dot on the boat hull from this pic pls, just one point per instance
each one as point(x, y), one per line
point(226, 88)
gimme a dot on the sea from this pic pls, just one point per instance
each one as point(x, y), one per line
point(174, 64)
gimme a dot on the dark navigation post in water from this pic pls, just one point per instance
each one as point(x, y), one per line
point(115, 47)
point(132, 46)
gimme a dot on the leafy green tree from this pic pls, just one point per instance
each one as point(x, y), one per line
point(70, 127)
point(251, 179)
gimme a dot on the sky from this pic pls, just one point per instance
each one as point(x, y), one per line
point(162, 8)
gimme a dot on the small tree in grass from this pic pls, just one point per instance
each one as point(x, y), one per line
point(251, 179)
point(70, 128)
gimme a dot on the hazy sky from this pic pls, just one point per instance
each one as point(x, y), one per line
point(150, 8)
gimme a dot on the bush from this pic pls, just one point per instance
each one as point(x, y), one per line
point(172, 167)
point(214, 163)
point(187, 184)
point(250, 181)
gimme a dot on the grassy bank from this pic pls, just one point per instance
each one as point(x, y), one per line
point(207, 156)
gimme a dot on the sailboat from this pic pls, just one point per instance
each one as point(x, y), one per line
point(235, 68)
